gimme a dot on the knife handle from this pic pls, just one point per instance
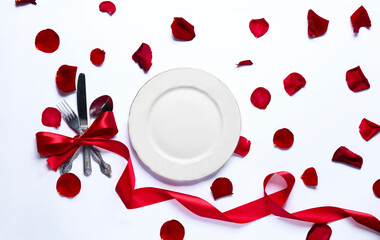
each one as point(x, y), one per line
point(86, 161)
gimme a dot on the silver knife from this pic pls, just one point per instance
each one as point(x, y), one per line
point(83, 122)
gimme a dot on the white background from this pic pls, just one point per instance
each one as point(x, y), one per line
point(323, 116)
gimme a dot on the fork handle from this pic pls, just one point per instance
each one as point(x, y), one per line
point(86, 161)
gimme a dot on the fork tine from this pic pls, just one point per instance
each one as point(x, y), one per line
point(64, 114)
point(71, 112)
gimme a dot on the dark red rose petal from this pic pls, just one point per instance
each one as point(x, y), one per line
point(344, 155)
point(376, 188)
point(68, 185)
point(143, 56)
point(172, 230)
point(258, 27)
point(51, 117)
point(243, 147)
point(356, 80)
point(65, 78)
point(182, 29)
point(368, 129)
point(221, 187)
point(319, 231)
point(107, 6)
point(360, 19)
point(47, 41)
point(22, 2)
point(283, 138)
point(244, 63)
point(97, 56)
point(260, 98)
point(317, 25)
point(294, 82)
point(310, 177)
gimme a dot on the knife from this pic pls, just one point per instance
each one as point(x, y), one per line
point(83, 122)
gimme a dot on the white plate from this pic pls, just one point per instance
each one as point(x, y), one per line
point(184, 124)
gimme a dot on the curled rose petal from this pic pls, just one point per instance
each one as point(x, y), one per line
point(65, 78)
point(97, 56)
point(243, 147)
point(260, 98)
point(22, 2)
point(317, 25)
point(47, 41)
point(283, 138)
point(368, 129)
point(221, 187)
point(319, 231)
point(107, 6)
point(68, 185)
point(172, 230)
point(182, 29)
point(360, 19)
point(310, 177)
point(344, 155)
point(244, 63)
point(356, 80)
point(294, 82)
point(143, 56)
point(258, 27)
point(51, 117)
point(376, 188)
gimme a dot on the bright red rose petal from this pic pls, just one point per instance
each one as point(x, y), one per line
point(360, 19)
point(221, 187)
point(356, 80)
point(283, 138)
point(260, 98)
point(143, 56)
point(376, 188)
point(68, 185)
point(294, 82)
point(368, 129)
point(258, 27)
point(317, 25)
point(244, 63)
point(97, 56)
point(22, 2)
point(319, 231)
point(182, 29)
point(344, 155)
point(172, 230)
point(107, 6)
point(47, 41)
point(310, 177)
point(65, 78)
point(51, 117)
point(243, 147)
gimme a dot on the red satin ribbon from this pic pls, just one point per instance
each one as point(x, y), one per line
point(59, 148)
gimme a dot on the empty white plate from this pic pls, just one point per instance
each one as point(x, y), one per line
point(184, 124)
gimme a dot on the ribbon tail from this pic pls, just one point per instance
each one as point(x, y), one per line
point(56, 161)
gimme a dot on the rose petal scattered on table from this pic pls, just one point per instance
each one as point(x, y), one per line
point(244, 63)
point(65, 78)
point(107, 6)
point(51, 117)
point(243, 147)
point(294, 82)
point(258, 27)
point(22, 2)
point(97, 56)
point(47, 41)
point(283, 138)
point(356, 80)
point(260, 98)
point(344, 155)
point(172, 230)
point(319, 231)
point(376, 188)
point(143, 56)
point(360, 19)
point(310, 177)
point(317, 25)
point(221, 187)
point(368, 129)
point(182, 29)
point(68, 185)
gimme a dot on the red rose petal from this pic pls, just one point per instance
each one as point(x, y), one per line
point(244, 63)
point(368, 129)
point(97, 56)
point(51, 117)
point(182, 29)
point(344, 155)
point(107, 6)
point(283, 138)
point(172, 230)
point(317, 25)
point(260, 98)
point(22, 2)
point(319, 231)
point(376, 188)
point(356, 80)
point(47, 41)
point(68, 185)
point(294, 82)
point(143, 56)
point(258, 27)
point(243, 147)
point(65, 78)
point(360, 19)
point(310, 177)
point(221, 187)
